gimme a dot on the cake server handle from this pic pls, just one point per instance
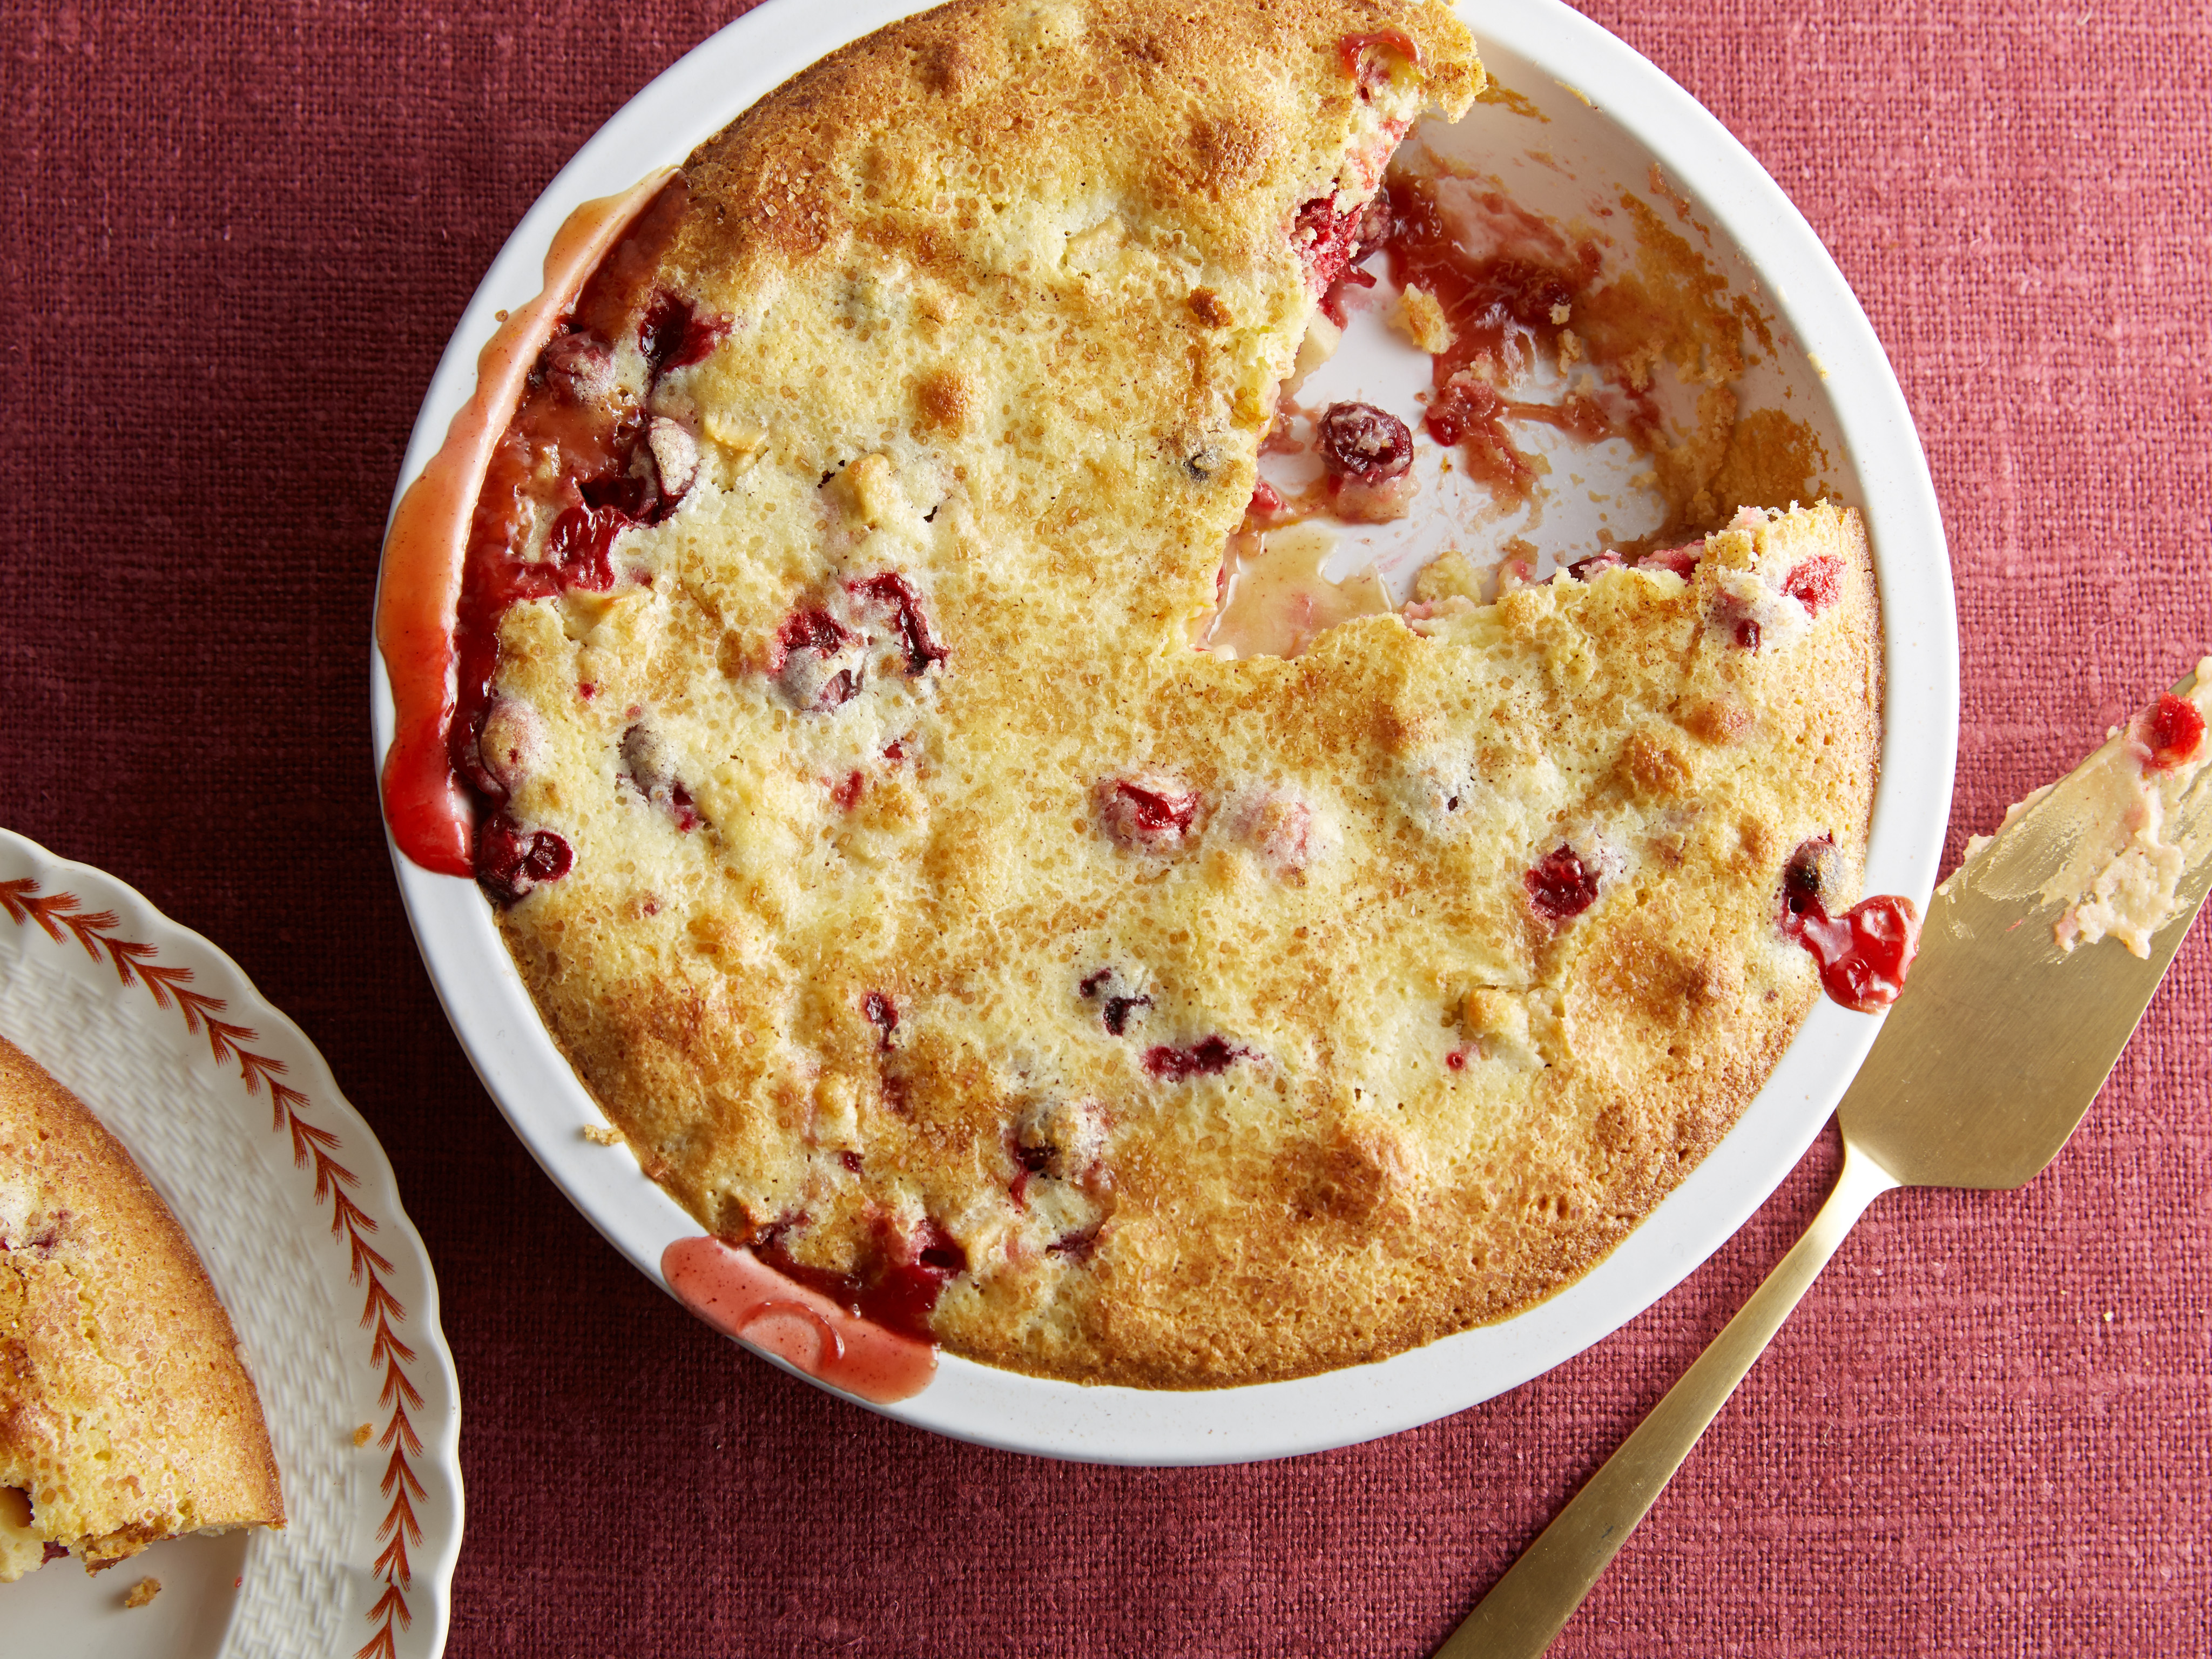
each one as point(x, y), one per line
point(1526, 1608)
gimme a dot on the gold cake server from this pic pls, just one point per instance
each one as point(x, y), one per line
point(1980, 1073)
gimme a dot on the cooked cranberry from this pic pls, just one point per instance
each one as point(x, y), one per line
point(1456, 1059)
point(1077, 1246)
point(1561, 885)
point(1364, 443)
point(851, 1160)
point(1328, 238)
point(1358, 53)
point(1267, 501)
point(1814, 870)
point(1816, 583)
point(882, 1014)
point(510, 864)
point(582, 546)
point(1747, 635)
point(1118, 1009)
point(2173, 732)
point(53, 1551)
point(895, 751)
point(811, 649)
point(890, 591)
point(628, 490)
point(1589, 570)
point(674, 455)
point(1682, 560)
point(1149, 810)
point(673, 336)
point(1118, 1005)
point(580, 366)
point(898, 1288)
point(681, 809)
point(511, 745)
point(846, 793)
point(1205, 1058)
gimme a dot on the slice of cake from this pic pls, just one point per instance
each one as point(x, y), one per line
point(125, 1415)
point(931, 917)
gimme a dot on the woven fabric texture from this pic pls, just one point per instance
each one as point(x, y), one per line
point(235, 239)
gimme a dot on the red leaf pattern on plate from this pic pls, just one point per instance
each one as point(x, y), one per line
point(61, 917)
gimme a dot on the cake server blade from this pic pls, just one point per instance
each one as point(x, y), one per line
point(1979, 1076)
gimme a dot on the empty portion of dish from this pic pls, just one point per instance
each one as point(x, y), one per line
point(931, 919)
point(126, 1416)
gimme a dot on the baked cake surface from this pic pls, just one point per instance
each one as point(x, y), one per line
point(929, 915)
point(125, 1415)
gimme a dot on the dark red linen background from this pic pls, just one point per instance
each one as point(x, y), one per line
point(236, 241)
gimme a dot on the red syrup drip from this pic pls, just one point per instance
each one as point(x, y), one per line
point(419, 590)
point(742, 1296)
point(1498, 306)
point(1864, 954)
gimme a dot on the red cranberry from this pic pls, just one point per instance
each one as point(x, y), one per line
point(673, 336)
point(810, 661)
point(1116, 1007)
point(1206, 1058)
point(2173, 732)
point(1813, 872)
point(580, 366)
point(891, 591)
point(54, 1552)
point(1077, 1246)
point(1267, 501)
point(1865, 953)
point(1328, 238)
point(1561, 885)
point(510, 864)
point(1149, 810)
point(1682, 560)
point(883, 1015)
point(1747, 635)
point(1816, 583)
point(1456, 1059)
point(1362, 443)
point(675, 454)
point(582, 546)
point(1589, 570)
point(847, 794)
point(851, 1160)
point(1359, 52)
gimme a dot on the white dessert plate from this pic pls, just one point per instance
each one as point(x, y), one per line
point(237, 1121)
point(1589, 121)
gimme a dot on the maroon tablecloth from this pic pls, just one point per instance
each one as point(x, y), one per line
point(236, 242)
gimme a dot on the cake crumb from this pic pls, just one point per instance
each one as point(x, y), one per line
point(1449, 575)
point(1420, 316)
point(361, 1435)
point(599, 1135)
point(142, 1592)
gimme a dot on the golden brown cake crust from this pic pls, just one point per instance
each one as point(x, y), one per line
point(860, 968)
point(125, 1415)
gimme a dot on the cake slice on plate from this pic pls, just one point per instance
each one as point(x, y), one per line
point(126, 1416)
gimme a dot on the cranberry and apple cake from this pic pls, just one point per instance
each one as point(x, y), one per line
point(125, 1415)
point(932, 918)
